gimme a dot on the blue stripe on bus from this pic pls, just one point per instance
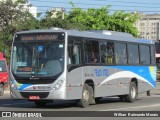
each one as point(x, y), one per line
point(147, 72)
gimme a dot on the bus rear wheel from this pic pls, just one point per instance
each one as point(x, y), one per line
point(131, 97)
point(87, 96)
point(1, 89)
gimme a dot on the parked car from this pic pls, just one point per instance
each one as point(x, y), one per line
point(3, 74)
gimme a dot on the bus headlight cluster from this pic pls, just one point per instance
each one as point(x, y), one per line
point(58, 85)
point(13, 86)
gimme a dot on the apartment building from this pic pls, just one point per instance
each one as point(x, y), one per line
point(148, 26)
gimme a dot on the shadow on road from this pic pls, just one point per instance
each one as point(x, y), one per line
point(57, 104)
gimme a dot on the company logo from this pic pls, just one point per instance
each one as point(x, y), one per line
point(6, 114)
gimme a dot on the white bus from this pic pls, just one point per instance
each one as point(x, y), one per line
point(80, 65)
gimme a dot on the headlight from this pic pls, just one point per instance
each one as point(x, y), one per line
point(58, 85)
point(13, 86)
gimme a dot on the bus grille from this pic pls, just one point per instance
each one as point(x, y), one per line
point(40, 94)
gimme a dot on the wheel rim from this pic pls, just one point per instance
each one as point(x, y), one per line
point(133, 92)
point(86, 96)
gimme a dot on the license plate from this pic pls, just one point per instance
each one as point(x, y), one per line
point(34, 97)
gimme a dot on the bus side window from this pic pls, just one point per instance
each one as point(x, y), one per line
point(92, 51)
point(121, 54)
point(76, 54)
point(73, 54)
point(107, 52)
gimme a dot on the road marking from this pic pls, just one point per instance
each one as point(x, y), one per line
point(155, 105)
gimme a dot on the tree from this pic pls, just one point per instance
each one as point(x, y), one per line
point(14, 16)
point(100, 19)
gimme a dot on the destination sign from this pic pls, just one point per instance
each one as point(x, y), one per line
point(40, 37)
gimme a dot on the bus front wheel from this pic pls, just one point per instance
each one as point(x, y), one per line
point(1, 89)
point(131, 97)
point(87, 96)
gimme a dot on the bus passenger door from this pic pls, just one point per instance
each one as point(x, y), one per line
point(74, 81)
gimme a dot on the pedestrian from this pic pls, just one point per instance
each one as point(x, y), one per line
point(148, 93)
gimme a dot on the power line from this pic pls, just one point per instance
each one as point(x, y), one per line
point(129, 2)
point(111, 6)
point(101, 6)
point(127, 10)
point(96, 4)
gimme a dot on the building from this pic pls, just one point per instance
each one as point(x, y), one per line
point(148, 26)
point(57, 10)
point(31, 9)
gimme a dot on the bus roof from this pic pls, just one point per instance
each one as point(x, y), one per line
point(102, 34)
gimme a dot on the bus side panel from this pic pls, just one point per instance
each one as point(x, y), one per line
point(113, 87)
point(74, 83)
point(143, 86)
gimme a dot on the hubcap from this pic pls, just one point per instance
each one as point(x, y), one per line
point(86, 95)
point(133, 92)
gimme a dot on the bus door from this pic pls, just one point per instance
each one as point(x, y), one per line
point(75, 71)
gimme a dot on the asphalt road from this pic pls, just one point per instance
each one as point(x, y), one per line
point(143, 103)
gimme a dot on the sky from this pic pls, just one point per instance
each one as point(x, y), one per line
point(145, 6)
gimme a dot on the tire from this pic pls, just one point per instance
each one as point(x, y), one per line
point(40, 103)
point(87, 96)
point(1, 89)
point(131, 97)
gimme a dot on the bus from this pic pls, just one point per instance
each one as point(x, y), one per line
point(3, 74)
point(157, 47)
point(85, 66)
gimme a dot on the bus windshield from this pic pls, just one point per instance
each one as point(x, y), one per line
point(37, 59)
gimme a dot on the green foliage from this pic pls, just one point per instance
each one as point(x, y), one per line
point(100, 19)
point(14, 17)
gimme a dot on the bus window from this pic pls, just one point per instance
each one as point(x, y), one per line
point(107, 52)
point(133, 54)
point(121, 54)
point(92, 51)
point(144, 54)
point(152, 55)
point(73, 54)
